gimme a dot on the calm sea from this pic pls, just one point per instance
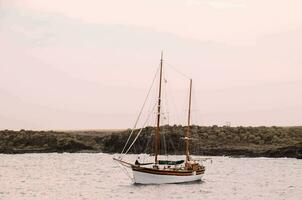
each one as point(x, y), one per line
point(96, 176)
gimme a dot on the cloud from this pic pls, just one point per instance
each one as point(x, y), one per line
point(70, 73)
point(219, 4)
point(227, 21)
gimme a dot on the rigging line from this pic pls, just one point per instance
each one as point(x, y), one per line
point(151, 109)
point(176, 114)
point(140, 130)
point(164, 142)
point(165, 91)
point(176, 70)
point(124, 170)
point(195, 110)
point(166, 108)
point(147, 145)
point(141, 111)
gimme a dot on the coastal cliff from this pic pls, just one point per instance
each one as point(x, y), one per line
point(211, 141)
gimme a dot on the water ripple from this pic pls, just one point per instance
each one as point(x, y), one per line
point(96, 176)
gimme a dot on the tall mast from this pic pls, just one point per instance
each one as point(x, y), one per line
point(157, 134)
point(189, 123)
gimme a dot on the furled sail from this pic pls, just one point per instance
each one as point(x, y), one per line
point(169, 162)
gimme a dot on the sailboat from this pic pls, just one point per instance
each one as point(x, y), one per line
point(166, 171)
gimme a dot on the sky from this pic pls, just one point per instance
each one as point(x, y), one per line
point(89, 64)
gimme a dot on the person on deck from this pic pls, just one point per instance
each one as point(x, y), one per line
point(136, 162)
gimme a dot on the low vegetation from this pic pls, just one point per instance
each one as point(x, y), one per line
point(213, 140)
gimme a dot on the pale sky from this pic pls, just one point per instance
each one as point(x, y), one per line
point(88, 64)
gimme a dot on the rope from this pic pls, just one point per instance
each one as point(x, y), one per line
point(176, 70)
point(141, 111)
point(164, 142)
point(139, 131)
point(165, 91)
point(124, 170)
point(142, 108)
point(166, 116)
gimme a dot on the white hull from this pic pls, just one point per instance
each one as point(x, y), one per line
point(148, 178)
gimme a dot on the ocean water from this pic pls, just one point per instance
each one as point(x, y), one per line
point(96, 176)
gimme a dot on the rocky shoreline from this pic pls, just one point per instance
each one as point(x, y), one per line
point(208, 141)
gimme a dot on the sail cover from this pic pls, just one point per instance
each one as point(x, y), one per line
point(169, 162)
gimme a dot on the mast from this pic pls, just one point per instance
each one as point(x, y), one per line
point(157, 133)
point(189, 123)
